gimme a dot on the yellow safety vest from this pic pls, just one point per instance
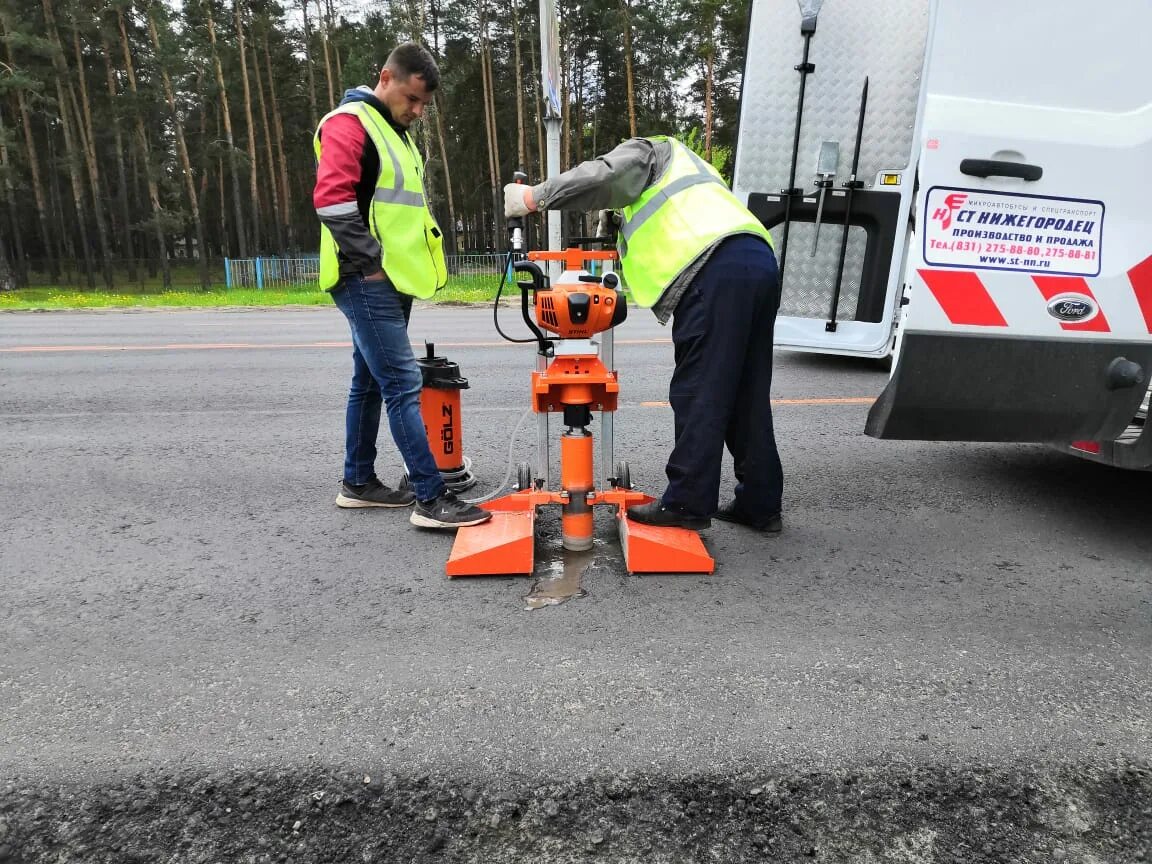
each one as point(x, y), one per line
point(411, 243)
point(685, 211)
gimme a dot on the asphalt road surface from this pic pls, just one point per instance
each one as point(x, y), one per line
point(944, 657)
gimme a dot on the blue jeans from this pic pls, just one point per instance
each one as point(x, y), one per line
point(384, 372)
point(721, 386)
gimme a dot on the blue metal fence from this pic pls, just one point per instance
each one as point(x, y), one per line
point(297, 273)
point(272, 273)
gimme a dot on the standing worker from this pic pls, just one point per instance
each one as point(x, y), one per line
point(691, 251)
point(379, 248)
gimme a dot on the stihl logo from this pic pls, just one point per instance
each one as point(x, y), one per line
point(952, 203)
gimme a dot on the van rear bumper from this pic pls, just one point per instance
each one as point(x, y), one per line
point(972, 387)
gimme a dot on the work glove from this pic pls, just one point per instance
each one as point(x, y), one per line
point(608, 223)
point(518, 200)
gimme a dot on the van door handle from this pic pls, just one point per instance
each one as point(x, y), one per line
point(998, 168)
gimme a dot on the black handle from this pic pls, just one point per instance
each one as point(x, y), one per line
point(999, 168)
point(538, 283)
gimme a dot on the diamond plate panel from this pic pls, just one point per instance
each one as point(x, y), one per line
point(882, 39)
point(811, 279)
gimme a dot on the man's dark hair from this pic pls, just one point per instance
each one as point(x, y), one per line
point(412, 58)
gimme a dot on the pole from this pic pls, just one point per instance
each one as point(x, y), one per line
point(809, 11)
point(851, 185)
point(550, 83)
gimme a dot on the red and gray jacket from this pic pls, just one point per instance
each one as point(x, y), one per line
point(346, 173)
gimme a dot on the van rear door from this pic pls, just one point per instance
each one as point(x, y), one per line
point(878, 41)
point(1029, 309)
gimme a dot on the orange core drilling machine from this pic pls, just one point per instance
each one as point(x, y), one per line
point(572, 380)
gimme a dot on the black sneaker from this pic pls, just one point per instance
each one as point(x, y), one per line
point(373, 494)
point(731, 513)
point(447, 511)
point(655, 513)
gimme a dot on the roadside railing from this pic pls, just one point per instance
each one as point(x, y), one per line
point(261, 273)
point(276, 273)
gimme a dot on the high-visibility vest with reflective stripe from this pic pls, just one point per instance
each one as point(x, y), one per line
point(685, 211)
point(411, 243)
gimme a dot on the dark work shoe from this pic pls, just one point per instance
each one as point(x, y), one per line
point(731, 513)
point(372, 494)
point(447, 511)
point(657, 514)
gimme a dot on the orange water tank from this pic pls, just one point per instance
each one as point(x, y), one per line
point(440, 409)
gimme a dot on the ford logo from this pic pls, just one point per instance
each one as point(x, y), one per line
point(1072, 308)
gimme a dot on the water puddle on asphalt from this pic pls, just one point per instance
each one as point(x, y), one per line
point(562, 580)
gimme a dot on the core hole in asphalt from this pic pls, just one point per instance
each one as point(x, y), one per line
point(562, 579)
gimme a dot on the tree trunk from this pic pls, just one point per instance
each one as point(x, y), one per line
point(205, 169)
point(490, 117)
point(537, 88)
point(226, 245)
point(60, 229)
point(565, 107)
point(437, 105)
point(50, 242)
point(438, 111)
point(521, 146)
point(415, 13)
point(74, 142)
point(7, 282)
point(241, 234)
point(282, 158)
point(182, 149)
point(308, 65)
point(124, 235)
point(88, 139)
point(335, 49)
point(579, 130)
point(708, 105)
point(624, 5)
point(8, 278)
point(145, 158)
point(253, 178)
point(595, 128)
point(277, 226)
point(73, 159)
point(327, 58)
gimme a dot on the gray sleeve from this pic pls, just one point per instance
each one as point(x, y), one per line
point(353, 238)
point(607, 182)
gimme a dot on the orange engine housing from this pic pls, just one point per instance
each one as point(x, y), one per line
point(577, 311)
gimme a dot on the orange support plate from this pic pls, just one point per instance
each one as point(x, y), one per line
point(652, 549)
point(573, 258)
point(505, 545)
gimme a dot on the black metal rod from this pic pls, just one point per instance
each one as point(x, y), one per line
point(851, 185)
point(804, 69)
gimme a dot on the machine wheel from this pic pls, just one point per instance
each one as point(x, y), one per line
point(523, 476)
point(623, 475)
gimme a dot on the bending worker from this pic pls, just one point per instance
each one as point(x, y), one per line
point(379, 248)
point(690, 251)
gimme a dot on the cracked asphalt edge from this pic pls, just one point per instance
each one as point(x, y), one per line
point(895, 812)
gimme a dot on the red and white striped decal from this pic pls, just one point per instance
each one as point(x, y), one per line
point(963, 297)
point(1141, 278)
point(966, 300)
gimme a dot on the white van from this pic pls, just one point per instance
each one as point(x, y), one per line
point(995, 236)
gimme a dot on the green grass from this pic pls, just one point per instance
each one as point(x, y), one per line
point(460, 289)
